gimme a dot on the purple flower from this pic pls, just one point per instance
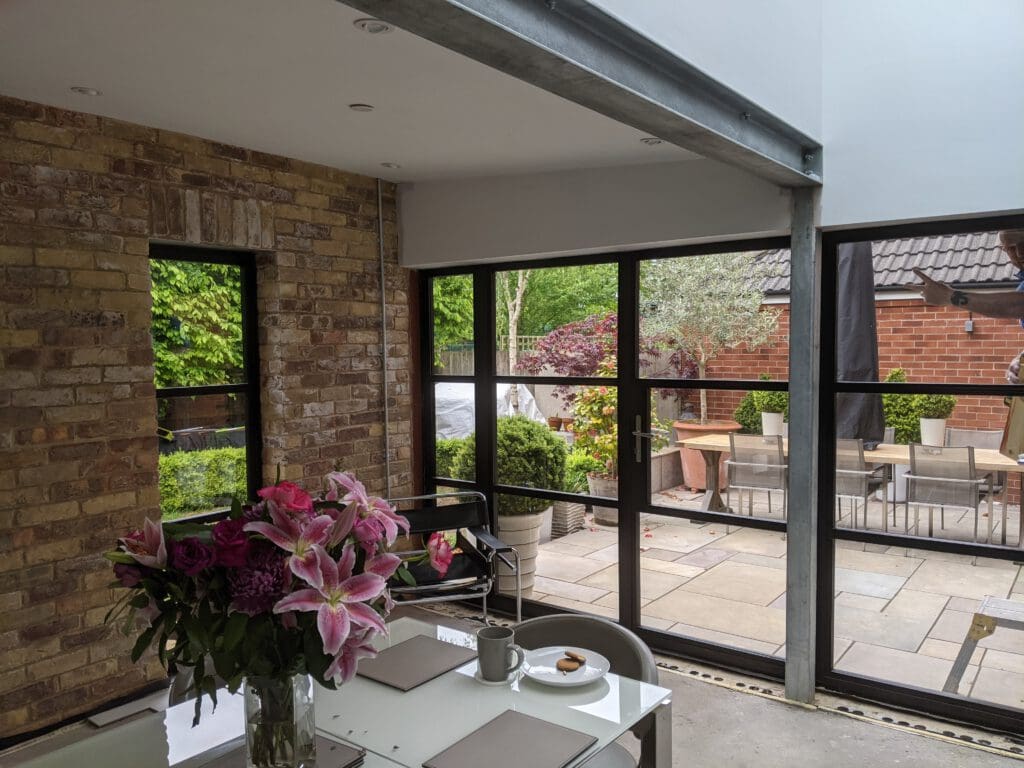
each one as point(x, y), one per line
point(231, 543)
point(191, 556)
point(256, 586)
point(129, 575)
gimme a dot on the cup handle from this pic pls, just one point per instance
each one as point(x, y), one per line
point(520, 658)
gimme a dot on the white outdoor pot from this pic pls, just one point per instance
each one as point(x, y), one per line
point(771, 423)
point(523, 533)
point(933, 431)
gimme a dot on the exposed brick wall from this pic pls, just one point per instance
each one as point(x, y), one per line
point(80, 199)
point(928, 342)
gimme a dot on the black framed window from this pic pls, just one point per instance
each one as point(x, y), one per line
point(207, 378)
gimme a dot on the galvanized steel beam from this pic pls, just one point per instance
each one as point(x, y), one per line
point(804, 394)
point(584, 55)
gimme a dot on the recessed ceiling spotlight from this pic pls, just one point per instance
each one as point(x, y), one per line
point(372, 26)
point(85, 90)
point(361, 107)
point(651, 141)
point(390, 165)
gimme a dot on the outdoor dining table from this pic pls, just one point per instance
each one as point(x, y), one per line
point(397, 729)
point(712, 447)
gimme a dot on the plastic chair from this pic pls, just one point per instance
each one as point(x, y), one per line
point(473, 570)
point(856, 480)
point(629, 657)
point(945, 477)
point(756, 463)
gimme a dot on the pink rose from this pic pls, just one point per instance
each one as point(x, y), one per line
point(191, 556)
point(287, 496)
point(231, 543)
point(440, 552)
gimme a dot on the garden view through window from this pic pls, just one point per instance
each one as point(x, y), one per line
point(204, 406)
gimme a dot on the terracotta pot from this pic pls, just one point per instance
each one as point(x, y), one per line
point(567, 423)
point(555, 422)
point(694, 469)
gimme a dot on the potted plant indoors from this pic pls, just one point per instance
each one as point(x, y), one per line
point(529, 456)
point(773, 406)
point(932, 412)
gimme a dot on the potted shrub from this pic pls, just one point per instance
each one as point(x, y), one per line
point(530, 456)
point(569, 516)
point(932, 412)
point(597, 435)
point(901, 415)
point(773, 406)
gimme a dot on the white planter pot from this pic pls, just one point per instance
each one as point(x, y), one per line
point(771, 423)
point(898, 485)
point(523, 533)
point(608, 487)
point(933, 431)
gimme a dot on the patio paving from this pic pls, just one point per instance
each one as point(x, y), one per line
point(900, 615)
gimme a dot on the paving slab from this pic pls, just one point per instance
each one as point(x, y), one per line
point(901, 667)
point(682, 538)
point(952, 626)
point(863, 602)
point(579, 592)
point(740, 582)
point(961, 579)
point(755, 622)
point(575, 605)
point(903, 624)
point(779, 563)
point(724, 638)
point(867, 583)
point(892, 565)
point(942, 649)
point(755, 541)
point(999, 687)
point(667, 566)
point(556, 565)
point(705, 557)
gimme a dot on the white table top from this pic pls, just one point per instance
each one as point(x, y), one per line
point(396, 728)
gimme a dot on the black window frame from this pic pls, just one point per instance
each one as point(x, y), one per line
point(250, 387)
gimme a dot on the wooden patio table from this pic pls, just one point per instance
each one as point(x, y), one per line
point(712, 447)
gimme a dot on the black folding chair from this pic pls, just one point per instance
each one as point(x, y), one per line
point(473, 570)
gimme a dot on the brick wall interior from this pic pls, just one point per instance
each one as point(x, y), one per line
point(81, 197)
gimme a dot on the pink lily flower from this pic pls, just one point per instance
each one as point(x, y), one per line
point(344, 519)
point(376, 522)
point(384, 565)
point(440, 552)
point(147, 546)
point(354, 491)
point(340, 599)
point(357, 647)
point(298, 537)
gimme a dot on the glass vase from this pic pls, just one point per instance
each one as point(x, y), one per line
point(280, 731)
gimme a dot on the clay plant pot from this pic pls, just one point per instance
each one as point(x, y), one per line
point(555, 422)
point(694, 469)
point(567, 423)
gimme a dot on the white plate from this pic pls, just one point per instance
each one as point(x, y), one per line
point(540, 666)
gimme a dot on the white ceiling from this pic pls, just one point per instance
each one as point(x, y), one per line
point(278, 76)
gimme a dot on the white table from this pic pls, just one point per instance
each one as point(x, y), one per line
point(397, 729)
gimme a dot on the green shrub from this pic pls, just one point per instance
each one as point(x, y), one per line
point(770, 401)
point(577, 465)
point(901, 411)
point(529, 455)
point(200, 481)
point(447, 448)
point(748, 415)
point(934, 406)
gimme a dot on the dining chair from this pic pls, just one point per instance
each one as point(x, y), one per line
point(942, 476)
point(756, 463)
point(473, 569)
point(856, 480)
point(979, 438)
point(628, 656)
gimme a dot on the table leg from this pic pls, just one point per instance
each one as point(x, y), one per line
point(981, 627)
point(656, 744)
point(712, 501)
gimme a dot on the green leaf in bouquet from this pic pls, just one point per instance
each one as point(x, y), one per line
point(145, 639)
point(117, 556)
point(234, 630)
point(405, 576)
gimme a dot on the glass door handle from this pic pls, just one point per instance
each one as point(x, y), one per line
point(638, 435)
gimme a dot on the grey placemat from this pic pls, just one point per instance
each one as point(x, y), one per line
point(414, 661)
point(514, 740)
point(329, 754)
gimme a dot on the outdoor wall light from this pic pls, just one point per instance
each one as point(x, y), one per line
point(361, 107)
point(85, 90)
point(372, 26)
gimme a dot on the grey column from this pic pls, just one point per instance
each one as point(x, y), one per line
point(804, 375)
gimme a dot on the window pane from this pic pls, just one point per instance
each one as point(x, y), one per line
point(902, 615)
point(454, 431)
point(720, 316)
point(202, 453)
point(883, 328)
point(559, 321)
point(453, 325)
point(197, 323)
point(954, 504)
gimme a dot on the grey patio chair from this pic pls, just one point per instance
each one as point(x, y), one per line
point(944, 477)
point(629, 657)
point(979, 438)
point(756, 463)
point(856, 480)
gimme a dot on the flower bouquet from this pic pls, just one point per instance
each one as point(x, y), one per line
point(287, 588)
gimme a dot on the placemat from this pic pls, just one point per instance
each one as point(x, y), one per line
point(329, 754)
point(514, 740)
point(414, 662)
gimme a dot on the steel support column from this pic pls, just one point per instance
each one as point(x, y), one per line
point(804, 398)
point(577, 51)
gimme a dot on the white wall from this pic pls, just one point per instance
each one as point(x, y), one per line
point(767, 50)
point(923, 109)
point(584, 211)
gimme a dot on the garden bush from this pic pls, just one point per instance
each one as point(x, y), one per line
point(446, 451)
point(529, 455)
point(200, 481)
point(748, 415)
point(577, 465)
point(901, 411)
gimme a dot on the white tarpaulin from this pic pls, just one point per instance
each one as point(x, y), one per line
point(453, 405)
